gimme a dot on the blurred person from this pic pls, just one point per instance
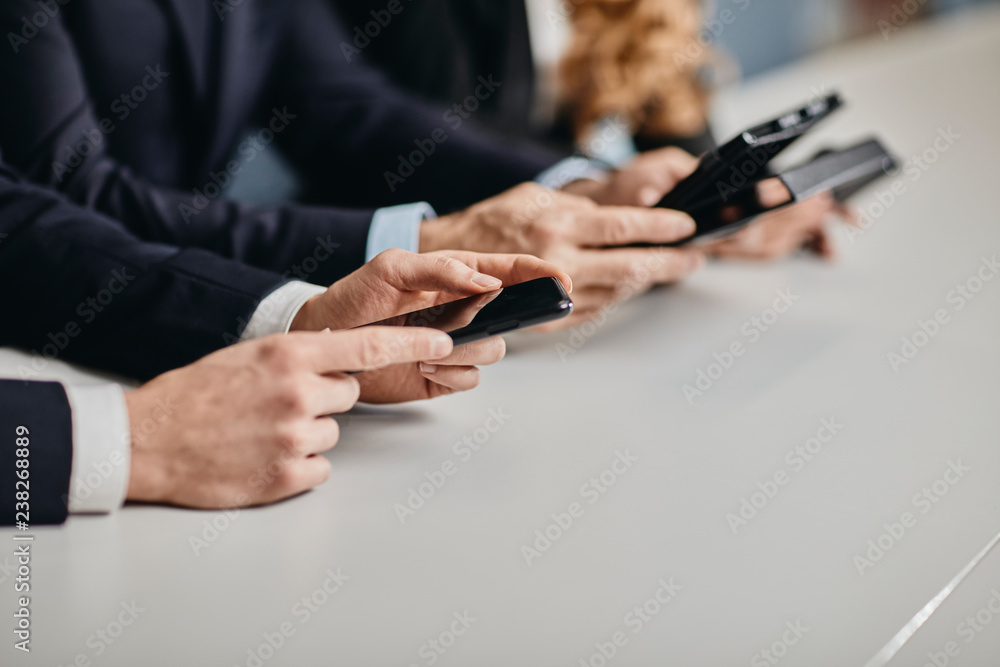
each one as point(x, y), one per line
point(135, 108)
point(611, 78)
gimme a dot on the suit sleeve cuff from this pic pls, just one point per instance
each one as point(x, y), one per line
point(572, 169)
point(397, 227)
point(102, 445)
point(275, 313)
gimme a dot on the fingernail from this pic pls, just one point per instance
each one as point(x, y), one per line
point(442, 345)
point(649, 196)
point(428, 368)
point(695, 261)
point(484, 280)
point(685, 224)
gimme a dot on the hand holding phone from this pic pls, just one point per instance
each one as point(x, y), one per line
point(723, 193)
point(493, 313)
point(468, 320)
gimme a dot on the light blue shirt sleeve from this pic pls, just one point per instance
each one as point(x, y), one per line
point(610, 141)
point(397, 227)
point(608, 145)
point(571, 169)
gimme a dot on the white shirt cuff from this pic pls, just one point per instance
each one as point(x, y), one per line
point(397, 227)
point(275, 313)
point(571, 169)
point(98, 482)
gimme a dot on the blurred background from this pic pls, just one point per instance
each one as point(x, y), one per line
point(749, 37)
point(769, 33)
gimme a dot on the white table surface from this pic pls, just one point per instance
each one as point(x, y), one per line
point(665, 516)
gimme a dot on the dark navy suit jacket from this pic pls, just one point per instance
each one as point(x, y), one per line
point(80, 287)
point(440, 48)
point(40, 411)
point(136, 107)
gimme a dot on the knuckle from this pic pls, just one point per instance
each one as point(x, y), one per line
point(528, 189)
point(618, 229)
point(374, 349)
point(294, 399)
point(278, 352)
point(633, 271)
point(388, 258)
point(549, 231)
point(387, 263)
point(292, 440)
point(287, 480)
point(444, 265)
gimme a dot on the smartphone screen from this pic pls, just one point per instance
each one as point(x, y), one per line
point(500, 311)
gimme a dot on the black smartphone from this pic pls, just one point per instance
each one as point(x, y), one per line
point(841, 172)
point(493, 313)
point(720, 194)
point(744, 159)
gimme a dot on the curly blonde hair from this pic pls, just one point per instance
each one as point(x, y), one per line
point(636, 59)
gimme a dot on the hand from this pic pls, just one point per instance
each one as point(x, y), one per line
point(773, 235)
point(781, 232)
point(578, 235)
point(247, 424)
point(643, 182)
point(398, 282)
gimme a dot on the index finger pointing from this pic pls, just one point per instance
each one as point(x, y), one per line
point(513, 269)
point(623, 225)
point(369, 348)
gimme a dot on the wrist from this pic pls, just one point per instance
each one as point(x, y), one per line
point(433, 234)
point(305, 319)
point(586, 187)
point(147, 481)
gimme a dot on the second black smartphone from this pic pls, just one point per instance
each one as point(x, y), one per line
point(493, 313)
